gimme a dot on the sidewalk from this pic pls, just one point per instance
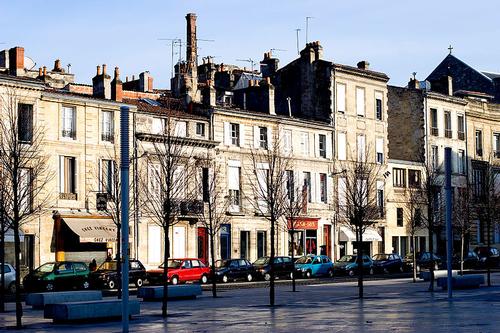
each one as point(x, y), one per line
point(389, 306)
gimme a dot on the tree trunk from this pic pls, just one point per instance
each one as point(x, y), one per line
point(431, 250)
point(414, 250)
point(488, 244)
point(462, 239)
point(360, 262)
point(271, 270)
point(212, 260)
point(17, 252)
point(293, 258)
point(166, 253)
point(119, 261)
point(2, 262)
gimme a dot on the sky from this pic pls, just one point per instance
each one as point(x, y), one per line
point(397, 37)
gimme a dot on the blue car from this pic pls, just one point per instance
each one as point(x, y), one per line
point(313, 265)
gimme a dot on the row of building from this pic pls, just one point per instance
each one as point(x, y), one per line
point(325, 113)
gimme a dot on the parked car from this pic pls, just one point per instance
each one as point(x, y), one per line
point(313, 265)
point(387, 263)
point(423, 261)
point(10, 278)
point(471, 261)
point(58, 276)
point(106, 275)
point(234, 269)
point(180, 270)
point(283, 267)
point(493, 260)
point(348, 265)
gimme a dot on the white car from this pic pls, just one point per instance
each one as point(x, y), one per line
point(10, 278)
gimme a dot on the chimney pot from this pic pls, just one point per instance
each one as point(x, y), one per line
point(40, 71)
point(57, 65)
point(44, 70)
point(126, 78)
point(103, 69)
point(363, 65)
point(98, 72)
point(117, 73)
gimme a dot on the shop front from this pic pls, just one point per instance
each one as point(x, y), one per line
point(303, 237)
point(348, 242)
point(84, 237)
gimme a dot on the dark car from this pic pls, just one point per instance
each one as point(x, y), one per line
point(106, 275)
point(424, 261)
point(492, 260)
point(234, 269)
point(387, 263)
point(58, 276)
point(283, 267)
point(348, 265)
point(471, 261)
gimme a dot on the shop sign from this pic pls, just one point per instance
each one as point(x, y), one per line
point(304, 224)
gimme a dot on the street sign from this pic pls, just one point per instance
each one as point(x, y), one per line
point(101, 201)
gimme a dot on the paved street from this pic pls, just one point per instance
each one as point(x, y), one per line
point(389, 306)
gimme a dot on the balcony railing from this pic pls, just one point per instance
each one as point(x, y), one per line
point(448, 133)
point(68, 196)
point(461, 135)
point(434, 131)
point(108, 137)
point(69, 134)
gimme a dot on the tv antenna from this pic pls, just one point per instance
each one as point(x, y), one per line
point(174, 43)
point(249, 60)
point(307, 27)
point(271, 51)
point(298, 30)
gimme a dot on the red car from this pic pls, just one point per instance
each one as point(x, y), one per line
point(180, 270)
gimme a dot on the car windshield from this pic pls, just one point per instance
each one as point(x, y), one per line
point(108, 266)
point(46, 268)
point(173, 264)
point(221, 263)
point(348, 259)
point(381, 257)
point(261, 261)
point(304, 260)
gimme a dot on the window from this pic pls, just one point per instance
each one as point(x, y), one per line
point(25, 122)
point(68, 122)
point(107, 176)
point(342, 192)
point(361, 148)
point(340, 97)
point(360, 102)
point(323, 187)
point(479, 180)
point(287, 141)
point(158, 126)
point(200, 129)
point(399, 217)
point(322, 145)
point(234, 188)
point(235, 134)
point(79, 267)
point(107, 128)
point(205, 185)
point(418, 217)
point(341, 147)
point(67, 183)
point(434, 157)
point(154, 180)
point(304, 142)
point(380, 198)
point(460, 127)
point(263, 137)
point(180, 128)
point(379, 143)
point(414, 178)
point(447, 124)
point(290, 185)
point(25, 190)
point(434, 122)
point(307, 184)
point(461, 161)
point(262, 173)
point(261, 244)
point(399, 177)
point(245, 244)
point(496, 145)
point(378, 105)
point(479, 143)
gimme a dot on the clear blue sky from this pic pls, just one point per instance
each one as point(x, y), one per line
point(396, 37)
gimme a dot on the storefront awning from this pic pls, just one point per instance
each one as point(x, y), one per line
point(370, 235)
point(92, 230)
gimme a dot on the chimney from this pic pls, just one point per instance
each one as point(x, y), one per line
point(44, 71)
point(116, 87)
point(4, 59)
point(101, 84)
point(16, 61)
point(57, 66)
point(191, 76)
point(40, 73)
point(267, 90)
point(145, 82)
point(450, 85)
point(269, 65)
point(364, 65)
point(312, 52)
point(209, 95)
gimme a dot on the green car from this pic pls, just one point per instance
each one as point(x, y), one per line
point(58, 276)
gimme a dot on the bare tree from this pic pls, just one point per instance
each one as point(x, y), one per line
point(4, 227)
point(463, 218)
point(414, 201)
point(358, 208)
point(267, 178)
point(216, 204)
point(25, 175)
point(164, 185)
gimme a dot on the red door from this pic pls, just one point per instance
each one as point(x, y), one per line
point(327, 240)
point(203, 245)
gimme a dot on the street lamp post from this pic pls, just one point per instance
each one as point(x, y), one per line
point(124, 167)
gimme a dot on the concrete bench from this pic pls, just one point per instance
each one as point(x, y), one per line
point(462, 282)
point(426, 275)
point(100, 309)
point(155, 293)
point(40, 300)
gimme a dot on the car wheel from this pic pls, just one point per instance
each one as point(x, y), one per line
point(49, 286)
point(386, 271)
point(351, 273)
point(139, 282)
point(12, 287)
point(401, 269)
point(225, 279)
point(418, 269)
point(111, 284)
point(308, 274)
point(174, 280)
point(371, 271)
point(204, 279)
point(436, 267)
point(330, 273)
point(267, 276)
point(249, 277)
point(85, 284)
